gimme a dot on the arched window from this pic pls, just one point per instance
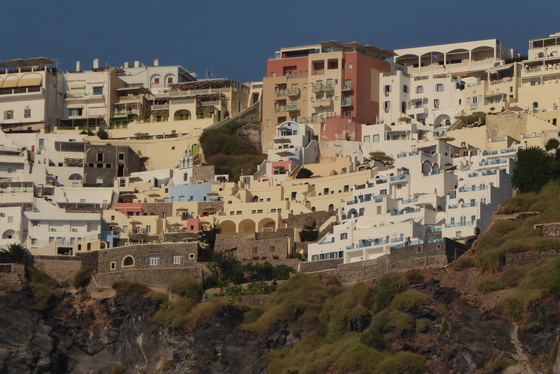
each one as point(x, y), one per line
point(128, 261)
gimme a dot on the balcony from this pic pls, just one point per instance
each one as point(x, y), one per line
point(346, 102)
point(458, 224)
point(160, 107)
point(292, 91)
point(292, 107)
point(281, 93)
point(317, 87)
point(347, 86)
point(130, 98)
point(280, 108)
point(328, 87)
point(318, 72)
point(325, 102)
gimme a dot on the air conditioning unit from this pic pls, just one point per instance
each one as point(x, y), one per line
point(53, 229)
point(74, 230)
point(2, 214)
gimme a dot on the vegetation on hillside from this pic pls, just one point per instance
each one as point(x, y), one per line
point(536, 167)
point(230, 153)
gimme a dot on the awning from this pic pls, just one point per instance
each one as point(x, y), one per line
point(10, 83)
point(29, 82)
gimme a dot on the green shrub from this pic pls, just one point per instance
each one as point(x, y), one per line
point(187, 287)
point(42, 294)
point(410, 299)
point(512, 277)
point(384, 290)
point(253, 314)
point(504, 227)
point(500, 364)
point(126, 287)
point(82, 277)
point(489, 284)
point(462, 263)
point(423, 325)
point(308, 235)
point(35, 275)
point(174, 314)
point(402, 363)
point(259, 288)
point(512, 307)
point(373, 337)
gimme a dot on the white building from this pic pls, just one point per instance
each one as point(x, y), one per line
point(426, 190)
point(158, 79)
point(54, 231)
point(30, 94)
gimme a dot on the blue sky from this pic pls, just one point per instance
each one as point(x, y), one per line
point(235, 38)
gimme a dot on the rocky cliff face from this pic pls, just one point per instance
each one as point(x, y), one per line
point(118, 335)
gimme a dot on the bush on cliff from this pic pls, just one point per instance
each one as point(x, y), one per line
point(83, 277)
point(126, 287)
point(187, 287)
point(42, 286)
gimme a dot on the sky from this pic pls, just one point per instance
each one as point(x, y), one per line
point(234, 39)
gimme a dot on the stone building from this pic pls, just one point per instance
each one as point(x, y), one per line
point(104, 163)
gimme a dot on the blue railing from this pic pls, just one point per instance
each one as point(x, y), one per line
point(434, 240)
point(473, 188)
point(493, 162)
point(434, 229)
point(468, 205)
point(408, 201)
point(459, 224)
point(398, 177)
point(453, 206)
point(471, 175)
point(490, 172)
point(396, 240)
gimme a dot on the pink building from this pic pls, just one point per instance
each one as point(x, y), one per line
point(310, 84)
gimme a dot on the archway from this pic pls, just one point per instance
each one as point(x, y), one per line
point(9, 234)
point(247, 225)
point(442, 120)
point(75, 177)
point(228, 227)
point(182, 115)
point(426, 167)
point(267, 224)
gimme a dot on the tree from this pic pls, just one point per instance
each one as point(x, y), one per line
point(552, 144)
point(534, 169)
point(226, 269)
point(208, 236)
point(304, 173)
point(13, 253)
point(102, 134)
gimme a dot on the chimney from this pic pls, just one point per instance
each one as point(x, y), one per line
point(78, 66)
point(126, 64)
point(156, 62)
point(96, 63)
point(136, 64)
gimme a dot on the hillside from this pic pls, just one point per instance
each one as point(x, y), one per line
point(494, 310)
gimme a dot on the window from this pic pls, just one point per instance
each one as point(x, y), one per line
point(100, 157)
point(419, 89)
point(156, 80)
point(169, 80)
point(33, 241)
point(128, 261)
point(255, 250)
point(98, 90)
point(8, 114)
point(350, 67)
point(177, 259)
point(148, 229)
point(154, 260)
point(163, 214)
point(121, 156)
point(272, 249)
point(75, 111)
point(375, 138)
point(436, 103)
point(10, 219)
point(418, 104)
point(191, 256)
point(27, 113)
point(125, 229)
point(439, 87)
point(458, 234)
point(113, 265)
point(386, 105)
point(343, 236)
point(405, 88)
point(473, 218)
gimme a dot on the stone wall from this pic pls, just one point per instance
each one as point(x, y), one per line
point(551, 230)
point(257, 246)
point(175, 237)
point(12, 274)
point(528, 258)
point(136, 257)
point(157, 209)
point(309, 220)
point(202, 173)
point(402, 259)
point(90, 259)
point(58, 267)
point(316, 266)
point(157, 277)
